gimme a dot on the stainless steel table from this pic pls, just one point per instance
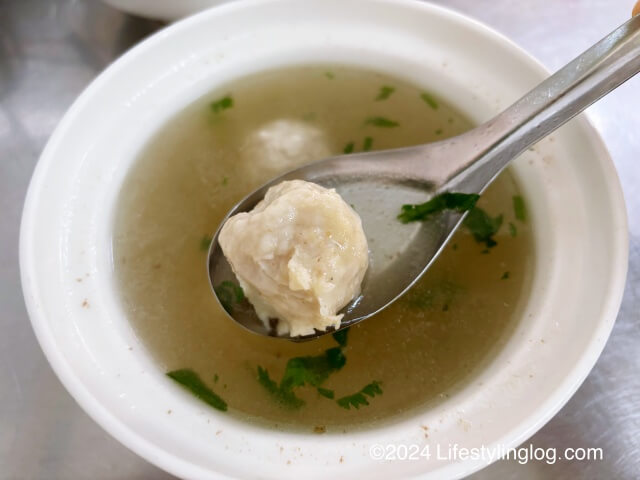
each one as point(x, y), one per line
point(50, 50)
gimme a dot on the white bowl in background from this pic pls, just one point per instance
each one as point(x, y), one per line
point(573, 194)
point(163, 9)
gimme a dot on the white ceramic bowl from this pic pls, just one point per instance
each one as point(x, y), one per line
point(571, 186)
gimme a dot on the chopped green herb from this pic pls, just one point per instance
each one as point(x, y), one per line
point(385, 92)
point(192, 382)
point(341, 336)
point(215, 378)
point(234, 291)
point(454, 246)
point(301, 371)
point(266, 381)
point(305, 371)
point(513, 231)
point(229, 294)
point(367, 144)
point(359, 399)
point(222, 104)
point(325, 392)
point(482, 226)
point(519, 208)
point(438, 131)
point(381, 122)
point(505, 276)
point(372, 389)
point(329, 75)
point(225, 180)
point(335, 359)
point(205, 242)
point(429, 100)
point(460, 202)
point(285, 397)
point(348, 148)
point(310, 370)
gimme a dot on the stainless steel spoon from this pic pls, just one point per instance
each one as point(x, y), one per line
point(378, 183)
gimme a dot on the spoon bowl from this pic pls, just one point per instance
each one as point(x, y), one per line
point(398, 253)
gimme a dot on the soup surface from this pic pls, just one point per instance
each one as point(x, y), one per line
point(205, 159)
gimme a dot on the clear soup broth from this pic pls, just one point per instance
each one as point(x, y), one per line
point(206, 158)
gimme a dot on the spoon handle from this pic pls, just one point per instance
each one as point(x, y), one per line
point(569, 91)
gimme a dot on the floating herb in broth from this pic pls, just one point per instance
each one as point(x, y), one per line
point(383, 122)
point(223, 146)
point(218, 106)
point(385, 92)
point(519, 208)
point(192, 382)
point(483, 226)
point(429, 100)
point(359, 399)
point(306, 371)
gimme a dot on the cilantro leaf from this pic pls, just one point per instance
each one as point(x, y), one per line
point(222, 104)
point(301, 371)
point(229, 293)
point(429, 100)
point(191, 381)
point(519, 208)
point(335, 359)
point(205, 242)
point(266, 381)
point(460, 202)
point(360, 398)
point(356, 400)
point(372, 389)
point(366, 146)
point(329, 75)
point(325, 392)
point(348, 148)
point(312, 370)
point(341, 336)
point(505, 276)
point(305, 370)
point(482, 226)
point(385, 92)
point(381, 122)
point(285, 397)
point(513, 231)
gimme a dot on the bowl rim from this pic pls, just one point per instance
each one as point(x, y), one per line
point(175, 464)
